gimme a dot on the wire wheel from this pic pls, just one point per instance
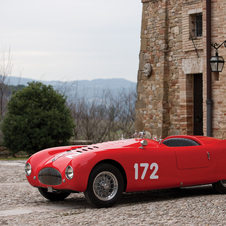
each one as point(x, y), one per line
point(220, 186)
point(223, 182)
point(105, 186)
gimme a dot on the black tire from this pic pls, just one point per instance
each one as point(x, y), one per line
point(105, 186)
point(220, 186)
point(53, 196)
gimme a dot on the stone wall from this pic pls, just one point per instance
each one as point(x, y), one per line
point(165, 98)
point(219, 80)
point(152, 99)
point(161, 46)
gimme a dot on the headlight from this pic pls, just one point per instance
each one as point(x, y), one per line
point(69, 172)
point(27, 169)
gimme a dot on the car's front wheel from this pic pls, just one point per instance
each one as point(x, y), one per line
point(105, 186)
point(53, 196)
point(220, 186)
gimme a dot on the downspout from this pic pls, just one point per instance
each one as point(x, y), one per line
point(209, 102)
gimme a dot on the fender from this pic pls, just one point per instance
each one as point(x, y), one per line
point(82, 170)
point(221, 167)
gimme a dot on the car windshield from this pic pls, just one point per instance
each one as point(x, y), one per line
point(180, 142)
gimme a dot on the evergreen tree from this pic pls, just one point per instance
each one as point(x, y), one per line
point(37, 118)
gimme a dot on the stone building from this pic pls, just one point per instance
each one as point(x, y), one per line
point(172, 73)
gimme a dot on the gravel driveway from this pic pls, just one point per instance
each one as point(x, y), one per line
point(21, 204)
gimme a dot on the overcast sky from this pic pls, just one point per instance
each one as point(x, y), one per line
point(72, 39)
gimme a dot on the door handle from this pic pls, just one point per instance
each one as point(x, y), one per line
point(208, 155)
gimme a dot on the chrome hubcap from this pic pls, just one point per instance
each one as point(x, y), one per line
point(105, 186)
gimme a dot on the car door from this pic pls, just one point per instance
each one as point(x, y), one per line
point(194, 165)
point(192, 157)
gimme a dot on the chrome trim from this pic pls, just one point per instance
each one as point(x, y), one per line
point(143, 143)
point(105, 186)
point(50, 176)
point(208, 155)
point(223, 182)
point(27, 171)
point(70, 173)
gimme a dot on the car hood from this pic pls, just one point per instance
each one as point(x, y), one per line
point(118, 146)
point(73, 152)
point(54, 157)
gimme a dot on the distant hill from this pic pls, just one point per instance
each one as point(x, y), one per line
point(89, 89)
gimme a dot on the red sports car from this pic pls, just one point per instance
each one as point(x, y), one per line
point(104, 171)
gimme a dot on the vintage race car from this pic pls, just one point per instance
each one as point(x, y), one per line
point(104, 171)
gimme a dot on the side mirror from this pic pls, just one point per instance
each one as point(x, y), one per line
point(143, 143)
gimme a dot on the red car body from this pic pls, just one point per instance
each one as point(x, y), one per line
point(155, 165)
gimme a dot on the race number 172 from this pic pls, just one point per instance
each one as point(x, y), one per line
point(144, 167)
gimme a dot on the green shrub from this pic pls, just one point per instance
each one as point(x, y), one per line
point(37, 118)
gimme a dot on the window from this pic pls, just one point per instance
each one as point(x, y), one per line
point(196, 25)
point(192, 28)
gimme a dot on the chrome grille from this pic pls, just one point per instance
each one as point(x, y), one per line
point(50, 176)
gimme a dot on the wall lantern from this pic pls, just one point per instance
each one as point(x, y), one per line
point(217, 62)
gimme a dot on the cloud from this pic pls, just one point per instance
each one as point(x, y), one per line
point(71, 38)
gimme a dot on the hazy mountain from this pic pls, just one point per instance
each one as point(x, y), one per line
point(90, 89)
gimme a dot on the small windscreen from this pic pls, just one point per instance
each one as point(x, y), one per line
point(180, 142)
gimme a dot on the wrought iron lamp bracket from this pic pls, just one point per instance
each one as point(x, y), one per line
point(216, 46)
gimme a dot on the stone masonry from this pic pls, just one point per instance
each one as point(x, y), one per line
point(166, 97)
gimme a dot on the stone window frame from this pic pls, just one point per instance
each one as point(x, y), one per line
point(187, 27)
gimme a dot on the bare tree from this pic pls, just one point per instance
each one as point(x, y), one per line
point(104, 118)
point(126, 116)
point(89, 119)
point(5, 74)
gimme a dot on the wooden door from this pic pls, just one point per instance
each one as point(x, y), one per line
point(198, 105)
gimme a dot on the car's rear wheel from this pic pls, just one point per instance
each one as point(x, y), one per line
point(53, 196)
point(105, 186)
point(220, 186)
